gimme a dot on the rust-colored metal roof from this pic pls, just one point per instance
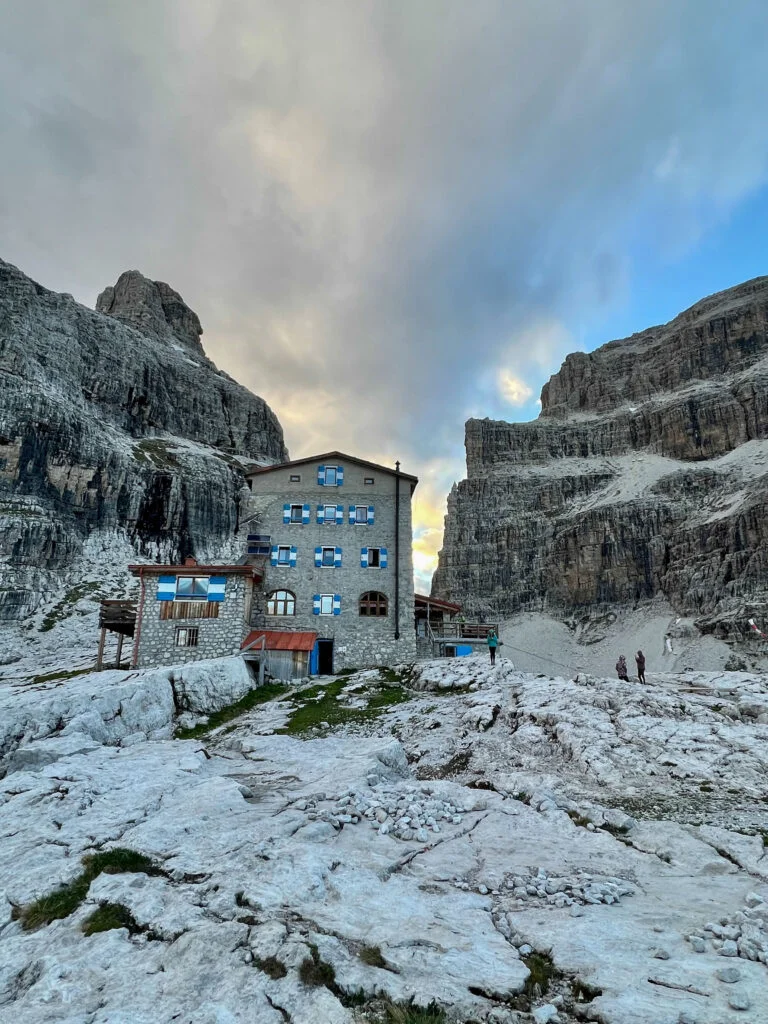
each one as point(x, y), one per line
point(437, 602)
point(196, 570)
point(341, 456)
point(277, 640)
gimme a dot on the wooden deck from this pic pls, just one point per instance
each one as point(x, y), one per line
point(116, 617)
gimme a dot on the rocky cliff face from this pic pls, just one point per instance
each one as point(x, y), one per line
point(114, 424)
point(645, 475)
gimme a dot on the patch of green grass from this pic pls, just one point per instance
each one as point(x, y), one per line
point(542, 971)
point(61, 608)
point(271, 966)
point(109, 916)
point(765, 838)
point(522, 796)
point(347, 671)
point(407, 1013)
point(389, 675)
point(49, 676)
point(314, 971)
point(156, 452)
point(65, 901)
point(372, 956)
point(259, 695)
point(321, 704)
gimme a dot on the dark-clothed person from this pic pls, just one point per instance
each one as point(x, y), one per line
point(640, 659)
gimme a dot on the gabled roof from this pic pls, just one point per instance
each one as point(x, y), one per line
point(340, 456)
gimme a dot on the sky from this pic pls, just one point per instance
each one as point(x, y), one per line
point(390, 216)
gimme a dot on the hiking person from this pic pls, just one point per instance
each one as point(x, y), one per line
point(640, 659)
point(493, 643)
point(621, 668)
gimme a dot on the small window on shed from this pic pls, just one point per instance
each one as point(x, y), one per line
point(187, 637)
point(369, 480)
point(295, 478)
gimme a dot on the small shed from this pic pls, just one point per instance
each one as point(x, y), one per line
point(285, 653)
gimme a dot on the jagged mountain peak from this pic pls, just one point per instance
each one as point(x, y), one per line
point(153, 308)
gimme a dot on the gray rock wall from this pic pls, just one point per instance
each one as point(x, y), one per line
point(114, 421)
point(646, 474)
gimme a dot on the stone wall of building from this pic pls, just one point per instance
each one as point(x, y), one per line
point(359, 641)
point(217, 638)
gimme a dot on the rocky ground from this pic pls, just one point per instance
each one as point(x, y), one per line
point(449, 844)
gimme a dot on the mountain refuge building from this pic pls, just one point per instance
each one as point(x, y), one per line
point(326, 583)
point(335, 533)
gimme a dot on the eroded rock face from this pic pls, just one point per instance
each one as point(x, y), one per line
point(114, 421)
point(646, 474)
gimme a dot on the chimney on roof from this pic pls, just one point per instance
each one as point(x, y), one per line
point(190, 560)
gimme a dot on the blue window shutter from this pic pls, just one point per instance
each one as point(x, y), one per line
point(337, 558)
point(339, 476)
point(337, 604)
point(363, 558)
point(286, 513)
point(316, 604)
point(339, 513)
point(370, 515)
point(321, 513)
point(305, 514)
point(166, 588)
point(292, 557)
point(318, 557)
point(383, 558)
point(216, 588)
point(351, 514)
point(273, 556)
point(321, 475)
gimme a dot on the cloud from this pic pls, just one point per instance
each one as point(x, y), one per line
point(513, 390)
point(374, 208)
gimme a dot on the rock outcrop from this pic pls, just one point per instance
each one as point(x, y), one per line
point(645, 475)
point(114, 423)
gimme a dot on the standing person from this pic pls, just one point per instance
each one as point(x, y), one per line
point(640, 659)
point(493, 643)
point(621, 668)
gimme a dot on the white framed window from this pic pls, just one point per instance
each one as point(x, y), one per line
point(295, 478)
point(283, 554)
point(331, 476)
point(192, 588)
point(374, 560)
point(329, 513)
point(187, 637)
point(297, 513)
point(328, 557)
point(361, 513)
point(326, 604)
point(281, 602)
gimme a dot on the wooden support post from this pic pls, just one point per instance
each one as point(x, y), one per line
point(119, 649)
point(100, 655)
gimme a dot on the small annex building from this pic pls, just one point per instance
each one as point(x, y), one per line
point(189, 612)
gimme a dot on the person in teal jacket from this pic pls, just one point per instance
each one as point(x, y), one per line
point(493, 643)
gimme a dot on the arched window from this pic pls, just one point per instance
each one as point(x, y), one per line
point(373, 603)
point(281, 602)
